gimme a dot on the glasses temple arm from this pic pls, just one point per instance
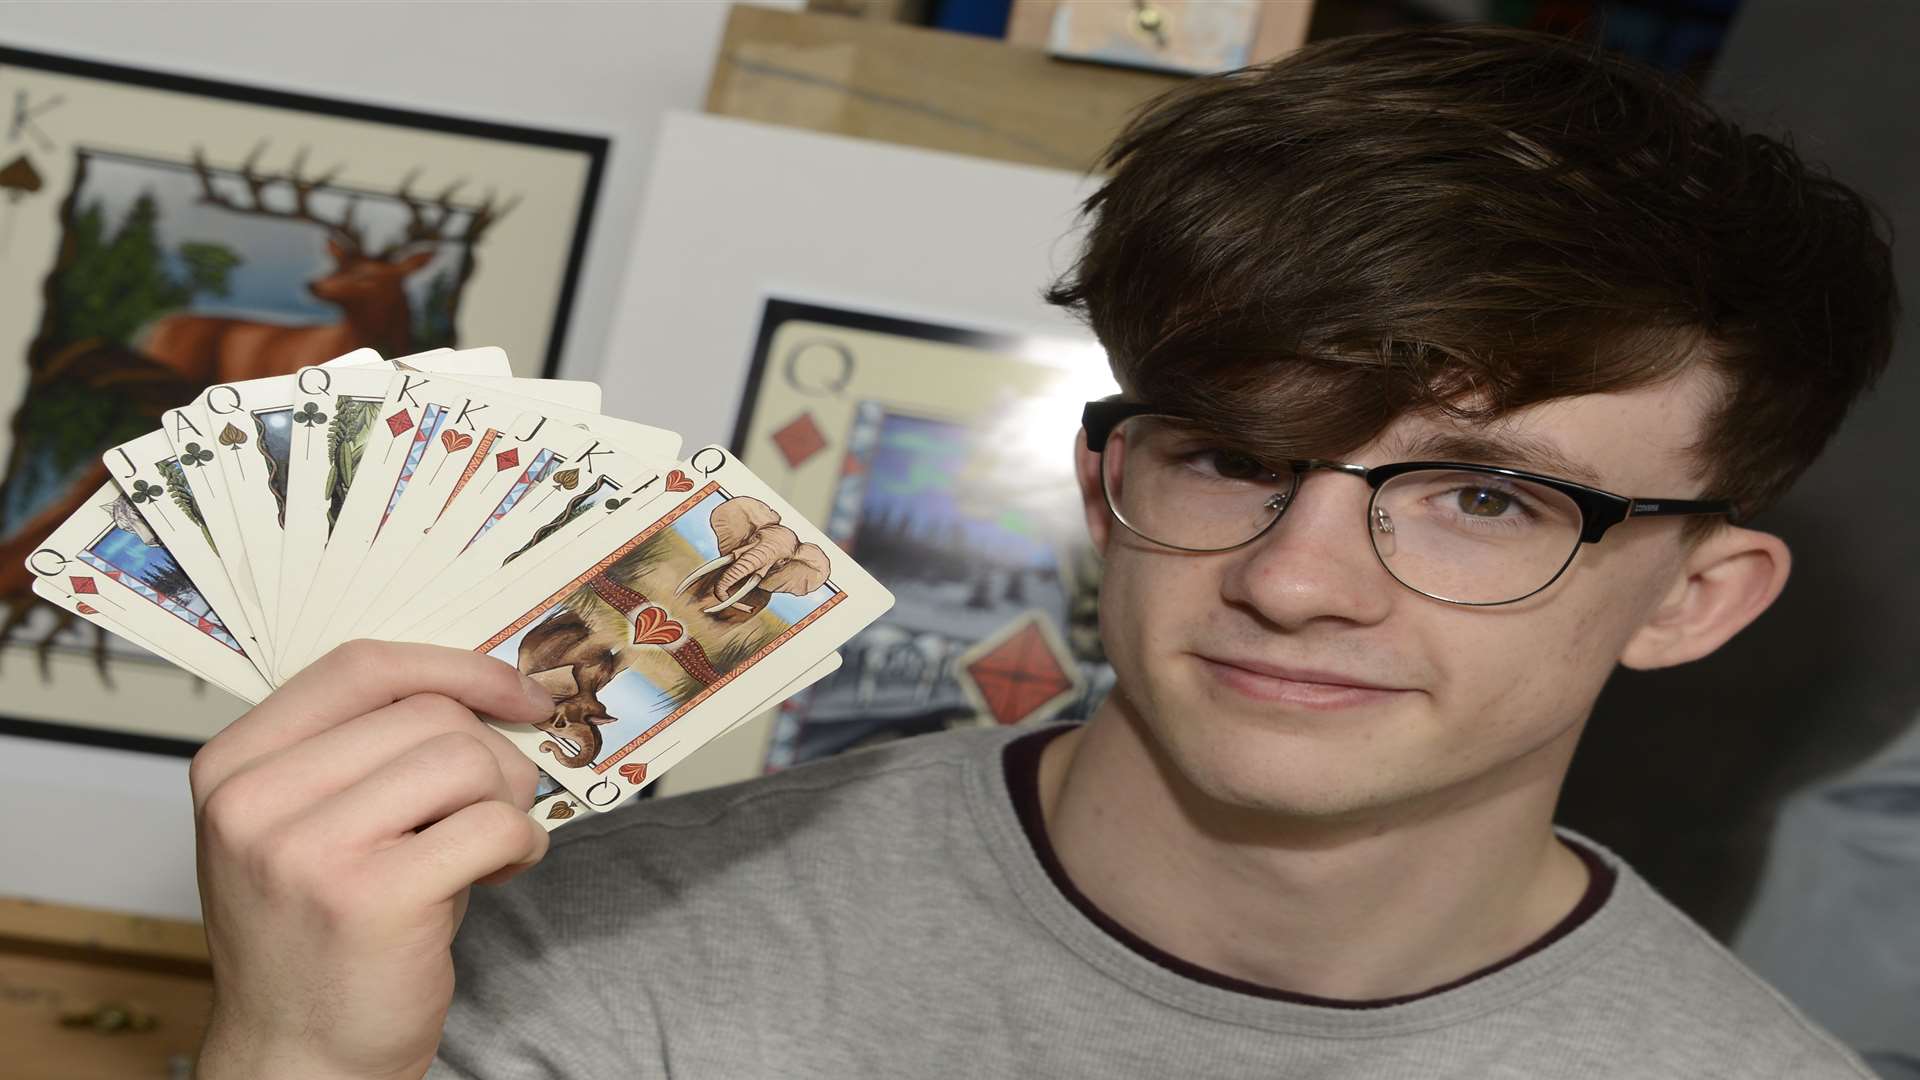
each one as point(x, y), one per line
point(1676, 507)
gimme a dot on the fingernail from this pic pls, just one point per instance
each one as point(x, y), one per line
point(537, 696)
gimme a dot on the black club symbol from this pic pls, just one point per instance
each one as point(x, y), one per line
point(196, 456)
point(144, 492)
point(309, 416)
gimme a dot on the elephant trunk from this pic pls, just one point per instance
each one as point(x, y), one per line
point(774, 543)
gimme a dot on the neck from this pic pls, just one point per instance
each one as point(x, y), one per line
point(383, 326)
point(1391, 903)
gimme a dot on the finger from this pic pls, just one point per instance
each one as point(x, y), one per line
point(288, 781)
point(460, 849)
point(426, 783)
point(360, 677)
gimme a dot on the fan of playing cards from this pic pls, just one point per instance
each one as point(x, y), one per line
point(438, 499)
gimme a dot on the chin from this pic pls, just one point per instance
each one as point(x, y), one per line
point(1289, 761)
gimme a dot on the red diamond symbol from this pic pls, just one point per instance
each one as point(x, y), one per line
point(1019, 675)
point(506, 459)
point(399, 422)
point(799, 440)
point(85, 585)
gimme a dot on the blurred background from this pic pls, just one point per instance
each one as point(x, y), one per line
point(819, 230)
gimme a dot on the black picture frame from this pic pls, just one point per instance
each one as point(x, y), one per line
point(15, 119)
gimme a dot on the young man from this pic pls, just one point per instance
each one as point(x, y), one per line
point(1453, 360)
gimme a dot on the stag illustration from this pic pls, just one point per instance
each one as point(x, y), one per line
point(366, 284)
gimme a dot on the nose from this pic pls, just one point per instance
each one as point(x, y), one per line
point(1317, 561)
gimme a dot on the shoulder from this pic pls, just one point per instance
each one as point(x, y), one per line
point(1686, 999)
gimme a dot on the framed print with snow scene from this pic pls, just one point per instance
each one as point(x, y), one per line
point(942, 459)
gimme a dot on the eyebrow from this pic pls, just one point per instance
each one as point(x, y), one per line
point(1510, 451)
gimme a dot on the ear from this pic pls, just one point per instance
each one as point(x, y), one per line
point(1093, 498)
point(416, 260)
point(1725, 583)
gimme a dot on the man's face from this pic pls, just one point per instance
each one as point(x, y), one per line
point(1476, 693)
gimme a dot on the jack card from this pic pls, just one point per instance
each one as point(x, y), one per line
point(154, 480)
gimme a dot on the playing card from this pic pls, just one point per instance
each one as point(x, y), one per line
point(398, 440)
point(106, 558)
point(496, 479)
point(560, 497)
point(151, 476)
point(669, 623)
point(71, 602)
point(254, 423)
point(554, 805)
point(484, 424)
point(190, 434)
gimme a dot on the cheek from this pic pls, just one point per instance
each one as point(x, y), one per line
point(1525, 673)
point(1146, 598)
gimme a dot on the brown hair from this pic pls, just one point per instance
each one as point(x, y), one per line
point(1467, 221)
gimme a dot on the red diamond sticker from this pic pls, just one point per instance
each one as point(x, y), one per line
point(799, 440)
point(399, 422)
point(506, 459)
point(85, 585)
point(1020, 675)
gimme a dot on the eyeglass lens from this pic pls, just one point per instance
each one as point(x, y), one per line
point(1454, 534)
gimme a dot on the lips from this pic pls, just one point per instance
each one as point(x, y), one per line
point(1298, 675)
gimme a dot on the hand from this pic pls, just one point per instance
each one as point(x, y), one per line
point(340, 824)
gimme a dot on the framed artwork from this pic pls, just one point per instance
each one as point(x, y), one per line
point(941, 459)
point(161, 233)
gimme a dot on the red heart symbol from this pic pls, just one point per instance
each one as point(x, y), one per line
point(86, 609)
point(677, 481)
point(651, 626)
point(634, 772)
point(455, 441)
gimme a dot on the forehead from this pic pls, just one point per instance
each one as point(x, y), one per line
point(1635, 442)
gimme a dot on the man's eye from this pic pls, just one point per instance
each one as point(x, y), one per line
point(1485, 501)
point(1233, 465)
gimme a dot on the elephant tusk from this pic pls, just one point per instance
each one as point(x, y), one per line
point(703, 571)
point(746, 587)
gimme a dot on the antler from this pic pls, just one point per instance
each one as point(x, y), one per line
point(427, 221)
point(303, 188)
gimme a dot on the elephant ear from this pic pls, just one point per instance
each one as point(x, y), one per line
point(801, 573)
point(737, 519)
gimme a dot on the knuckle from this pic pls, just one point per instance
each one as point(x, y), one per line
point(357, 654)
point(500, 818)
point(289, 868)
point(203, 768)
point(341, 900)
point(441, 711)
point(462, 754)
point(228, 813)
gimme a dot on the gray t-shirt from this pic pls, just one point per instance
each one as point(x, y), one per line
point(884, 914)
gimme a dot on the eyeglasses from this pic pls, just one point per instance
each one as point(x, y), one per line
point(1476, 535)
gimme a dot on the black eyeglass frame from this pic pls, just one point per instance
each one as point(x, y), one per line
point(1599, 510)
